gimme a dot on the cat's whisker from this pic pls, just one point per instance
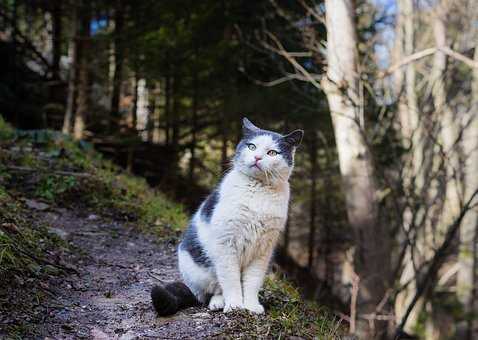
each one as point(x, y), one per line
point(267, 178)
point(276, 174)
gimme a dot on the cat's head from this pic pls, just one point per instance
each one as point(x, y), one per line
point(266, 155)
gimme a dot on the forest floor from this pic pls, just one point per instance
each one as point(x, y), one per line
point(108, 296)
point(82, 243)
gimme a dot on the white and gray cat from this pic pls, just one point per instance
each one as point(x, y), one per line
point(225, 252)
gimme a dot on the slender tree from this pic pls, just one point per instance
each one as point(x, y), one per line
point(73, 45)
point(83, 99)
point(118, 58)
point(342, 89)
point(468, 256)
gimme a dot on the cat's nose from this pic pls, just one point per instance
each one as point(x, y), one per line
point(258, 158)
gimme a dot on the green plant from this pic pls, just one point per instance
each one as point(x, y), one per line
point(52, 186)
point(6, 131)
point(287, 314)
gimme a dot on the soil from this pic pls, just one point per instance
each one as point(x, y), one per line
point(109, 297)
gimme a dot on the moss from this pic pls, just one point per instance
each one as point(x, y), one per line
point(52, 187)
point(287, 314)
point(6, 132)
point(64, 172)
point(67, 173)
point(23, 244)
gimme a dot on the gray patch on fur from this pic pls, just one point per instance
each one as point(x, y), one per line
point(207, 208)
point(193, 246)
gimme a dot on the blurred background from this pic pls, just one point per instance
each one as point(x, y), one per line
point(383, 220)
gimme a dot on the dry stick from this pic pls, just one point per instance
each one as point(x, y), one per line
point(312, 12)
point(408, 60)
point(62, 173)
point(454, 54)
point(155, 277)
point(353, 302)
point(427, 52)
point(26, 42)
point(430, 275)
point(281, 51)
point(45, 261)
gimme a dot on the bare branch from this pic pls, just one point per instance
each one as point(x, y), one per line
point(430, 276)
point(281, 51)
point(425, 53)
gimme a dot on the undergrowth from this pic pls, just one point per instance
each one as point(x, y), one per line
point(287, 314)
point(51, 169)
point(46, 170)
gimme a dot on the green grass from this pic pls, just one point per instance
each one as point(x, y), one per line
point(287, 314)
point(22, 243)
point(51, 167)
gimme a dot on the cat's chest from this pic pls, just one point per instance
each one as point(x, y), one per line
point(257, 207)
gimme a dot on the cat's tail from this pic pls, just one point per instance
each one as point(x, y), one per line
point(171, 298)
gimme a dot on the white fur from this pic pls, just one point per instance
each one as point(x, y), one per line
point(242, 232)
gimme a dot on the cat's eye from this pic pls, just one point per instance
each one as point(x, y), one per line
point(251, 146)
point(272, 153)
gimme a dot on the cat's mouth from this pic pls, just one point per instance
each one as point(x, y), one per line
point(255, 165)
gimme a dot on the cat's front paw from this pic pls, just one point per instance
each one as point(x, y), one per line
point(230, 306)
point(255, 308)
point(216, 302)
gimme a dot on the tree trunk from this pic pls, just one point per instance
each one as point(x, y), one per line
point(287, 234)
point(449, 131)
point(176, 105)
point(83, 99)
point(342, 87)
point(167, 107)
point(134, 111)
point(449, 127)
point(158, 99)
point(468, 257)
point(313, 200)
point(152, 114)
point(412, 134)
point(118, 61)
point(192, 161)
point(224, 143)
point(72, 73)
point(56, 37)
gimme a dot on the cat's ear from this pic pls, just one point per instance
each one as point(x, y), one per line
point(294, 138)
point(248, 128)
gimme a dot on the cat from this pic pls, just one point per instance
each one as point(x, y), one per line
point(225, 251)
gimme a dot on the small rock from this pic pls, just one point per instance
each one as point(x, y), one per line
point(67, 327)
point(128, 336)
point(93, 217)
point(59, 232)
point(201, 315)
point(98, 334)
point(32, 204)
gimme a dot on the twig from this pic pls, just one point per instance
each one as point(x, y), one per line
point(353, 302)
point(281, 51)
point(435, 264)
point(155, 277)
point(59, 172)
point(44, 261)
point(407, 60)
point(427, 52)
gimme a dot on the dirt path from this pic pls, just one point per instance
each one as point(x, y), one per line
point(109, 298)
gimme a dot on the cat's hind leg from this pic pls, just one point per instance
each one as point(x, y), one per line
point(201, 280)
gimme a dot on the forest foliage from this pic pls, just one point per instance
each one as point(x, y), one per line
point(383, 223)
